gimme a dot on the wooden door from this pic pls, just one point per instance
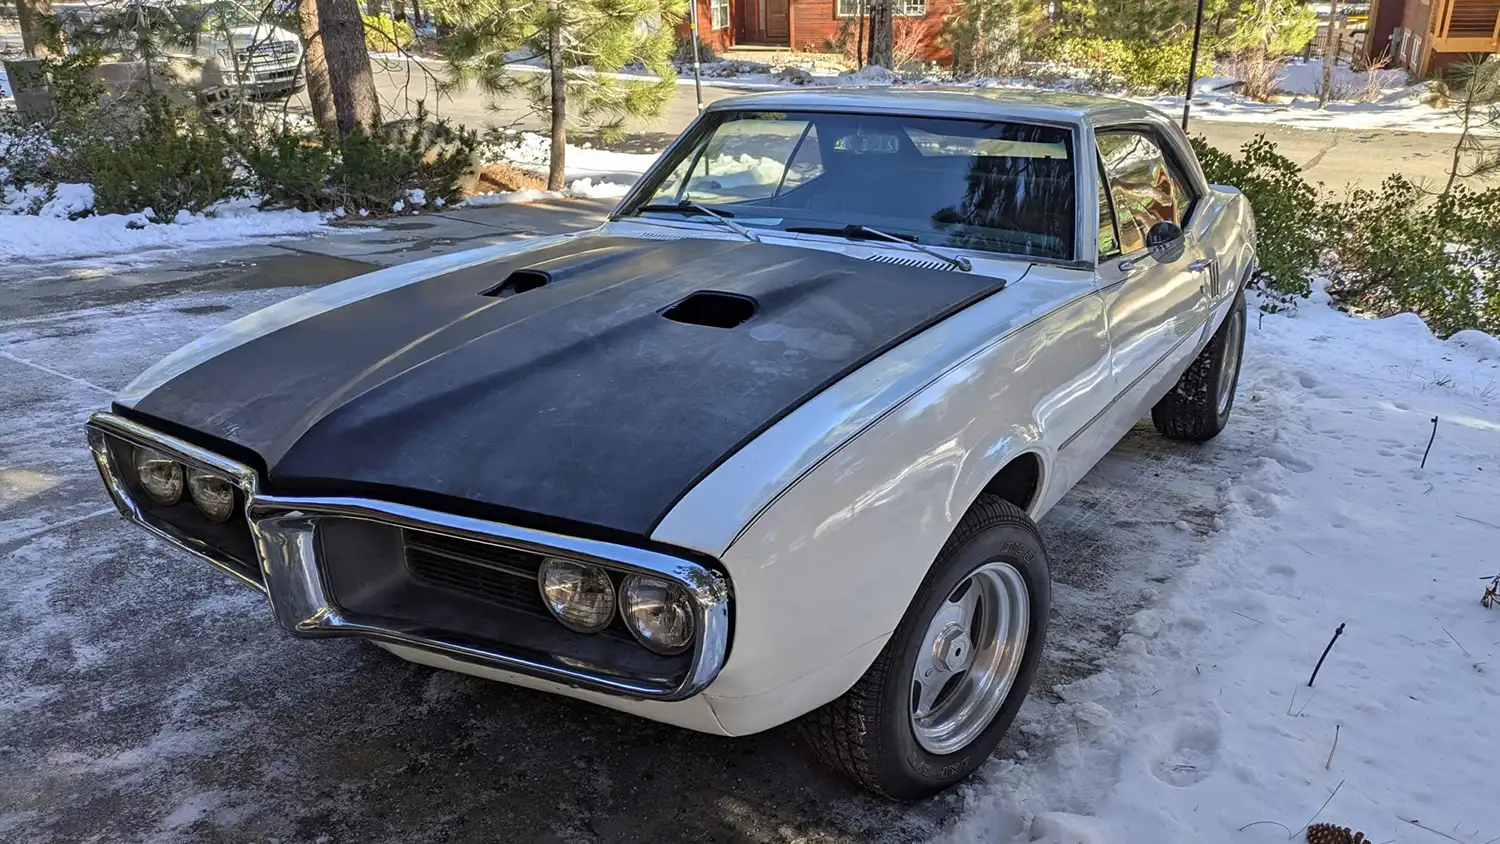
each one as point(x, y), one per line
point(776, 19)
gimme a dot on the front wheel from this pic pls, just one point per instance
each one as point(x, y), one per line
point(944, 690)
point(1197, 407)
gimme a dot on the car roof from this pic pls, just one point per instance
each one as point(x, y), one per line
point(950, 101)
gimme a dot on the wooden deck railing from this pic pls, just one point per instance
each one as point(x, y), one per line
point(1465, 26)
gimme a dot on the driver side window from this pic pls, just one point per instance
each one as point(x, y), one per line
point(1143, 185)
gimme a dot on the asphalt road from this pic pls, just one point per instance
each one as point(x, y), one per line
point(1336, 157)
point(145, 697)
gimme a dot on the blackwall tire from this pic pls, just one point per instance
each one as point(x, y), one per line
point(874, 734)
point(1197, 408)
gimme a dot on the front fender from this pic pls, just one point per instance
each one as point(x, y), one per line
point(825, 572)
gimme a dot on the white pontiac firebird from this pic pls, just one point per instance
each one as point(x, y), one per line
point(769, 444)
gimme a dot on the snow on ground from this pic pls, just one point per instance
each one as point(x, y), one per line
point(590, 173)
point(51, 236)
point(531, 151)
point(1201, 726)
point(581, 189)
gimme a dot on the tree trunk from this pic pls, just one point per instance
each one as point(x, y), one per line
point(319, 90)
point(33, 15)
point(349, 76)
point(398, 9)
point(557, 161)
point(881, 36)
point(1330, 54)
point(372, 7)
point(416, 13)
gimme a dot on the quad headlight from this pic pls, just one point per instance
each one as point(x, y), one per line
point(213, 495)
point(159, 475)
point(658, 612)
point(581, 596)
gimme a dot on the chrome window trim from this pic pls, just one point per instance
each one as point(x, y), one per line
point(283, 531)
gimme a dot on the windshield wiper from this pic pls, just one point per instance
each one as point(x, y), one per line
point(688, 206)
point(858, 232)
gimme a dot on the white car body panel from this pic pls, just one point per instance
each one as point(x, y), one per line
point(827, 522)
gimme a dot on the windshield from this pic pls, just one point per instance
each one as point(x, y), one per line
point(986, 185)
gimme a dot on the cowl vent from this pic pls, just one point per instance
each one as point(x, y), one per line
point(519, 281)
point(713, 309)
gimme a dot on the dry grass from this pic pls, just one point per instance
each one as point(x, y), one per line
point(1257, 73)
point(494, 178)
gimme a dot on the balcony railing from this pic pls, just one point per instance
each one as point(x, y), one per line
point(1466, 26)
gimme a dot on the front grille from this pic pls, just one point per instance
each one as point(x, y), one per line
point(488, 573)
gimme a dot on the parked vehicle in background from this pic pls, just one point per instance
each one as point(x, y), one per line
point(210, 44)
point(769, 444)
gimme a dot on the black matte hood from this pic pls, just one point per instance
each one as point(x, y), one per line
point(594, 387)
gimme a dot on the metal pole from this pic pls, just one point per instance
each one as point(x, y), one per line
point(1187, 103)
point(697, 74)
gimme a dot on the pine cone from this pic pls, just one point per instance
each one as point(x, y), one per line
point(1327, 833)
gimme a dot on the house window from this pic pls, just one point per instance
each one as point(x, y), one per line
point(718, 14)
point(899, 8)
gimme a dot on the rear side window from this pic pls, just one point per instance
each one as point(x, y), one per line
point(1145, 188)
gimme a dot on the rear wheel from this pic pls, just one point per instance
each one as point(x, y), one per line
point(944, 690)
point(1197, 407)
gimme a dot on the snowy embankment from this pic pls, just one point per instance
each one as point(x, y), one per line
point(1202, 727)
point(52, 236)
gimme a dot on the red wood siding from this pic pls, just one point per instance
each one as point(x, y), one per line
point(815, 25)
point(1385, 16)
point(719, 39)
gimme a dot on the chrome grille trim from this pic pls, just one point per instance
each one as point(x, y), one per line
point(284, 531)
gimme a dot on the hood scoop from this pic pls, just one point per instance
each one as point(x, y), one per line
point(520, 281)
point(713, 309)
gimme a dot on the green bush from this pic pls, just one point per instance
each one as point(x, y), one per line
point(370, 170)
point(385, 34)
point(1113, 63)
point(291, 170)
point(683, 51)
point(164, 160)
point(1399, 249)
point(1288, 244)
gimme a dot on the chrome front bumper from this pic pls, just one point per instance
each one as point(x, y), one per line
point(284, 531)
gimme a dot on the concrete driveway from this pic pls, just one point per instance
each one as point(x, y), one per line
point(145, 697)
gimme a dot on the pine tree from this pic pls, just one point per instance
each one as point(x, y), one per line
point(350, 80)
point(584, 42)
point(39, 37)
point(991, 37)
point(882, 34)
point(1477, 106)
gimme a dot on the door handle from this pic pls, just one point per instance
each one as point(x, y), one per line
point(1200, 264)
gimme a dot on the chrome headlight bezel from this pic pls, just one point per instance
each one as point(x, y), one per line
point(282, 562)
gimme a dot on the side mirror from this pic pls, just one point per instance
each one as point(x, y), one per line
point(1166, 242)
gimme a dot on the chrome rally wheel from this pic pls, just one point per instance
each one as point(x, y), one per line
point(968, 665)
